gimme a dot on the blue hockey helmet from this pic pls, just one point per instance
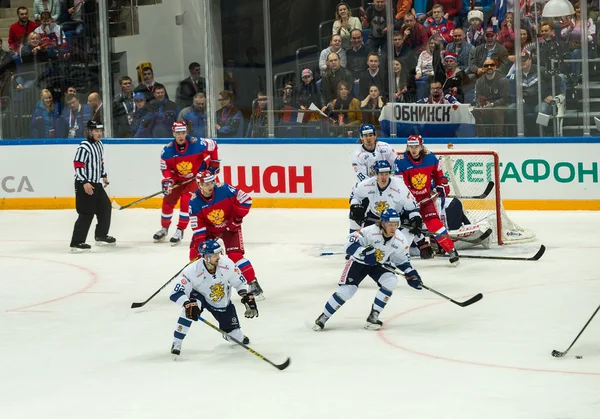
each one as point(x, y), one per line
point(367, 129)
point(210, 247)
point(382, 166)
point(390, 215)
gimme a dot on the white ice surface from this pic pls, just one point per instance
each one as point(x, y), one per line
point(71, 347)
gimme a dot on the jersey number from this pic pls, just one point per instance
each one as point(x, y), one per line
point(179, 288)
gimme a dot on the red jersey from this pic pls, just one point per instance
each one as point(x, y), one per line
point(422, 175)
point(210, 217)
point(183, 164)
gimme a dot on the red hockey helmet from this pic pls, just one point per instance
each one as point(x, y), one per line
point(179, 127)
point(205, 176)
point(415, 139)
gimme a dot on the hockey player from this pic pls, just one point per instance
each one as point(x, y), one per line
point(180, 161)
point(381, 243)
point(206, 284)
point(370, 151)
point(217, 211)
point(374, 195)
point(421, 171)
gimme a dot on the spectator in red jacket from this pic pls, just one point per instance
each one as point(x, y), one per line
point(438, 26)
point(415, 35)
point(20, 30)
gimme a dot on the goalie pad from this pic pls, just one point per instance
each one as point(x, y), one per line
point(470, 235)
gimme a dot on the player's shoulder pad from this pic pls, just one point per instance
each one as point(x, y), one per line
point(192, 140)
point(226, 262)
point(170, 145)
point(400, 155)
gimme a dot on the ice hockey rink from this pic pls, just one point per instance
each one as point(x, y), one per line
point(71, 346)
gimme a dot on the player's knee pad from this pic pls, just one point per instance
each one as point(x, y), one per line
point(346, 292)
point(388, 281)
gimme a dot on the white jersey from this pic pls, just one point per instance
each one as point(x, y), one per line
point(364, 160)
point(215, 288)
point(396, 196)
point(391, 251)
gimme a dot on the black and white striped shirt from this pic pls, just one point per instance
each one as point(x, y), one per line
point(89, 162)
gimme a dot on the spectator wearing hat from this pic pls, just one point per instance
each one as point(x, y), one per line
point(308, 93)
point(334, 74)
point(490, 49)
point(491, 92)
point(143, 118)
point(531, 85)
point(456, 78)
point(475, 30)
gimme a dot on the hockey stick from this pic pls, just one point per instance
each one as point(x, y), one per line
point(484, 195)
point(466, 303)
point(537, 256)
point(119, 207)
point(138, 305)
point(558, 354)
point(280, 367)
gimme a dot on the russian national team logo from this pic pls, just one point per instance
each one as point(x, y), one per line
point(419, 181)
point(216, 216)
point(184, 168)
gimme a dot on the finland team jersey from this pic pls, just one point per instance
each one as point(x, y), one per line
point(391, 251)
point(396, 196)
point(216, 288)
point(364, 160)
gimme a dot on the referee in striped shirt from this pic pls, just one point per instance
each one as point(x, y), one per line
point(90, 197)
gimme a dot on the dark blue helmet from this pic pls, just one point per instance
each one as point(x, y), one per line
point(210, 247)
point(382, 166)
point(390, 215)
point(367, 129)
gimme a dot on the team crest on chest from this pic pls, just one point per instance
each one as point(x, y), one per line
point(379, 255)
point(418, 181)
point(381, 206)
point(217, 291)
point(216, 216)
point(184, 167)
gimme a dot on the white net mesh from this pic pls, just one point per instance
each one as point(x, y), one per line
point(469, 173)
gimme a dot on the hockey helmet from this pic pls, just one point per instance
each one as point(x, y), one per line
point(210, 247)
point(93, 124)
point(390, 215)
point(179, 127)
point(367, 129)
point(205, 176)
point(382, 166)
point(415, 139)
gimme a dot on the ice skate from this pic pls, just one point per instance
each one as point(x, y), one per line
point(256, 290)
point(176, 239)
point(454, 259)
point(320, 323)
point(106, 241)
point(176, 349)
point(80, 248)
point(160, 235)
point(373, 322)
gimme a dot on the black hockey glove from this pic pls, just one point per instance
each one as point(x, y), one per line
point(425, 249)
point(415, 223)
point(192, 310)
point(357, 213)
point(414, 280)
point(250, 303)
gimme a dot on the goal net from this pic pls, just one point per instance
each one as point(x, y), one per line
point(469, 174)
